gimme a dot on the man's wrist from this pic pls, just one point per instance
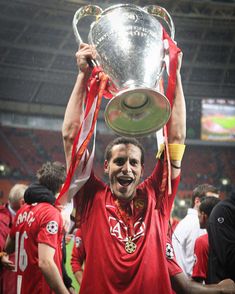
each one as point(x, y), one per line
point(83, 77)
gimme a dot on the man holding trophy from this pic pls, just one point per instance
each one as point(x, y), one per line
point(124, 233)
point(124, 224)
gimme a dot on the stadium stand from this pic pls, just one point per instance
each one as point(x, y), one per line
point(24, 150)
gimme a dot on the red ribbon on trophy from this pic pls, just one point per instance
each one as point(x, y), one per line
point(170, 94)
point(98, 87)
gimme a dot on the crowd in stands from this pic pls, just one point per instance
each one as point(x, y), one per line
point(22, 151)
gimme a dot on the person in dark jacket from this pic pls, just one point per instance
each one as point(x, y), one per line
point(221, 233)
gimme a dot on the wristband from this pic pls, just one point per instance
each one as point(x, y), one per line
point(176, 151)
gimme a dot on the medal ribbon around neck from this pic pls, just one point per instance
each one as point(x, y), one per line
point(130, 246)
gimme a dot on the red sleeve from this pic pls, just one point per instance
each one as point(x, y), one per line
point(163, 200)
point(201, 258)
point(51, 226)
point(78, 253)
point(173, 267)
point(5, 220)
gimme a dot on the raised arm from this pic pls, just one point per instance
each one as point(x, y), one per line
point(74, 110)
point(177, 126)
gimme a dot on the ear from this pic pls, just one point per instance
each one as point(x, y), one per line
point(106, 166)
point(22, 202)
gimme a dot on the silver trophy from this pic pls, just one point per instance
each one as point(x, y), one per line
point(130, 48)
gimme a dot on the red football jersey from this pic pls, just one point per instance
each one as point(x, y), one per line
point(40, 223)
point(201, 249)
point(109, 267)
point(6, 220)
point(78, 252)
point(173, 266)
point(7, 278)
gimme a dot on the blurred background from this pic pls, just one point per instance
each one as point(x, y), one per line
point(38, 71)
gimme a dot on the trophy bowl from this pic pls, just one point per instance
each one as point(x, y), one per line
point(129, 43)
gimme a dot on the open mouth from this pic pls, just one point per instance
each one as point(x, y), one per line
point(125, 181)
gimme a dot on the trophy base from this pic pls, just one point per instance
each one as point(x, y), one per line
point(137, 112)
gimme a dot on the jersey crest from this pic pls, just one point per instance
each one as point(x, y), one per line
point(120, 230)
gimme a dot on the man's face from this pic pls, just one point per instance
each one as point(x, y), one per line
point(124, 170)
point(17, 204)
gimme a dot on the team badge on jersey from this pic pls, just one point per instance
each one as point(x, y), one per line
point(78, 242)
point(52, 227)
point(195, 258)
point(169, 251)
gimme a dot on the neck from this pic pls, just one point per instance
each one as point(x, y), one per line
point(124, 200)
point(196, 207)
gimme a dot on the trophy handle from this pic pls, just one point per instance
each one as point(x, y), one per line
point(88, 10)
point(160, 12)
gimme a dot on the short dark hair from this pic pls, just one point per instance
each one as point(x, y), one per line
point(52, 175)
point(125, 141)
point(201, 190)
point(207, 204)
